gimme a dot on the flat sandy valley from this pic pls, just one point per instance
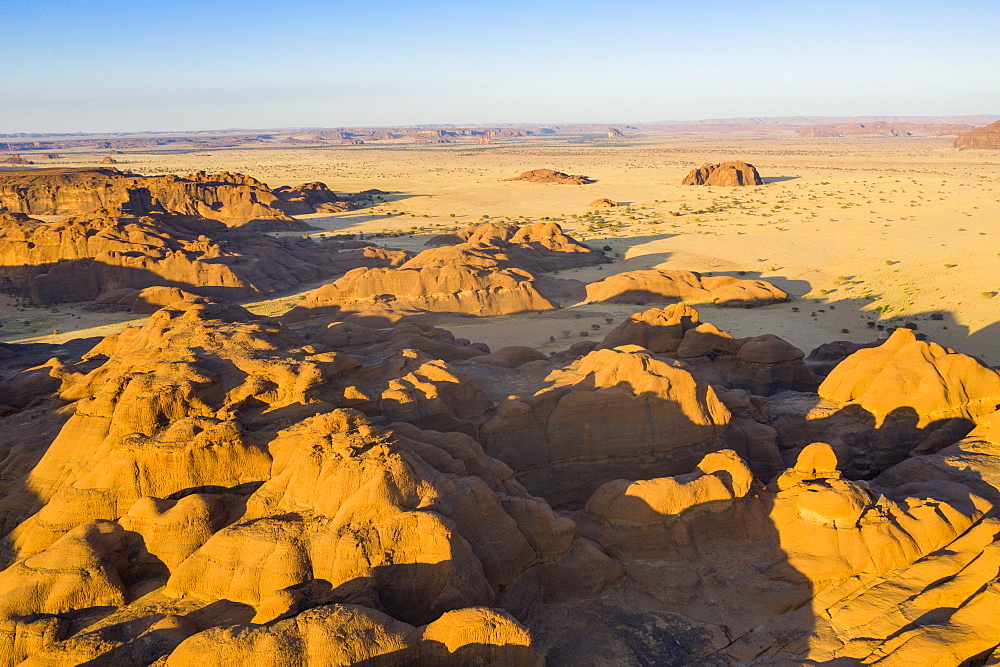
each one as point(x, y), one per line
point(865, 233)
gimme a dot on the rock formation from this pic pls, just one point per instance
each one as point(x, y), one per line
point(882, 404)
point(351, 485)
point(214, 487)
point(615, 134)
point(603, 202)
point(85, 257)
point(483, 270)
point(15, 159)
point(981, 137)
point(725, 174)
point(538, 247)
point(763, 365)
point(664, 421)
point(452, 289)
point(665, 286)
point(550, 176)
point(231, 517)
point(234, 199)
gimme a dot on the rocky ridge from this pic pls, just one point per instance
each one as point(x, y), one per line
point(92, 256)
point(236, 200)
point(484, 270)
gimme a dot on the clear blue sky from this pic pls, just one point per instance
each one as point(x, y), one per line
point(115, 65)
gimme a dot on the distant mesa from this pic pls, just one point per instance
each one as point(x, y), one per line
point(882, 129)
point(551, 176)
point(15, 159)
point(485, 140)
point(615, 133)
point(353, 142)
point(725, 174)
point(109, 160)
point(603, 202)
point(662, 286)
point(231, 198)
point(983, 137)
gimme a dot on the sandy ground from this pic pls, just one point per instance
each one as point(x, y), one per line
point(863, 232)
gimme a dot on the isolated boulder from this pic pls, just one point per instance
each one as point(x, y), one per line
point(550, 176)
point(725, 174)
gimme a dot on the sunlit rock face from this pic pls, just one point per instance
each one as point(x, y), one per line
point(215, 486)
point(982, 137)
point(725, 174)
point(234, 199)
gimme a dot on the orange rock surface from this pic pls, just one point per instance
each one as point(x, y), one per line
point(725, 174)
point(234, 199)
point(84, 257)
point(551, 176)
point(981, 137)
point(667, 286)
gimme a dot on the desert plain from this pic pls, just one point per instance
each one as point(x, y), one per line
point(866, 234)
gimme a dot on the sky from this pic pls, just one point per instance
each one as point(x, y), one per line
point(169, 65)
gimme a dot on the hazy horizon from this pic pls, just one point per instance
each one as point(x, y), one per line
point(117, 67)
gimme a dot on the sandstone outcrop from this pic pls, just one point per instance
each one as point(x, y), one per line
point(217, 487)
point(233, 199)
point(85, 257)
point(763, 365)
point(981, 137)
point(15, 159)
point(538, 248)
point(603, 202)
point(885, 403)
point(551, 176)
point(936, 382)
point(483, 270)
point(205, 448)
point(719, 478)
point(667, 286)
point(213, 486)
point(725, 174)
point(700, 545)
point(350, 635)
point(455, 289)
point(665, 420)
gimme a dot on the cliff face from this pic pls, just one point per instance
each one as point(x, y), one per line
point(983, 137)
point(233, 199)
